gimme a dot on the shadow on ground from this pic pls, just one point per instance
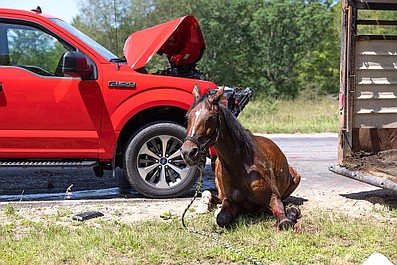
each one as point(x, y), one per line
point(298, 201)
point(381, 196)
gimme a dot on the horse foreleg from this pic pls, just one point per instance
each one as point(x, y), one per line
point(277, 207)
point(228, 213)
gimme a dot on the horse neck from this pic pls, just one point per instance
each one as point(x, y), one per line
point(226, 146)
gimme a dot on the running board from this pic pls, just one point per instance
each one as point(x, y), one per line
point(48, 164)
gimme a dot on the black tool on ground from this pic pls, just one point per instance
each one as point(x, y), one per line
point(87, 215)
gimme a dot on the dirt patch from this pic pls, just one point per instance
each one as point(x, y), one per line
point(369, 204)
point(372, 203)
point(383, 164)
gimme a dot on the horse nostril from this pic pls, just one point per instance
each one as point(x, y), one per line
point(193, 152)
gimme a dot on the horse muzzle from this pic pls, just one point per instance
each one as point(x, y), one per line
point(191, 154)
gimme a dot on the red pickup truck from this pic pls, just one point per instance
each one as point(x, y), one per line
point(66, 101)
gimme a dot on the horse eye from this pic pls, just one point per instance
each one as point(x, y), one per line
point(210, 119)
point(201, 139)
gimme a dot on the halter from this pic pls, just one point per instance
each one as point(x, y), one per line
point(210, 141)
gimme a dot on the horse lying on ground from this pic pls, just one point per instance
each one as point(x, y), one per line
point(252, 173)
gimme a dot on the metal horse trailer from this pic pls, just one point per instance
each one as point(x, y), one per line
point(367, 138)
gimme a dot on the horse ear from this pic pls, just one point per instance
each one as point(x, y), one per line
point(196, 92)
point(217, 96)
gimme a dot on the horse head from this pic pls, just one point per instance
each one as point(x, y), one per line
point(203, 126)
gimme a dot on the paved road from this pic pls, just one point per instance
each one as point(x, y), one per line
point(309, 154)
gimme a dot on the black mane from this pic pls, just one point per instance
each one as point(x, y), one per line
point(243, 137)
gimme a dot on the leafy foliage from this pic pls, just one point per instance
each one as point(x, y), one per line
point(284, 33)
point(278, 47)
point(319, 69)
point(377, 15)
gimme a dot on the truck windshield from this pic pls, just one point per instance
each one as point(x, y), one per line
point(80, 35)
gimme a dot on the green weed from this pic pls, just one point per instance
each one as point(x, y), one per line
point(9, 210)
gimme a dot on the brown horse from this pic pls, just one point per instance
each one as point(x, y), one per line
point(252, 173)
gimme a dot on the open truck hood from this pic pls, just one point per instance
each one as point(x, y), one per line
point(181, 40)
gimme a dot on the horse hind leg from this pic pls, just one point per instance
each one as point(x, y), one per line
point(293, 213)
point(278, 209)
point(295, 180)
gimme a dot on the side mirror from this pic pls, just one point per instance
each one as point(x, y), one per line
point(75, 64)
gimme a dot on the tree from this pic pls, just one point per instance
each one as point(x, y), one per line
point(29, 46)
point(278, 47)
point(110, 22)
point(227, 33)
point(286, 32)
point(319, 69)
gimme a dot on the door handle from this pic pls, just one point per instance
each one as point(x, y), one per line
point(1, 87)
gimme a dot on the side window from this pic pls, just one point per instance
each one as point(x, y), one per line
point(34, 49)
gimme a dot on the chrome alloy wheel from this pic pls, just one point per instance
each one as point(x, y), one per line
point(160, 163)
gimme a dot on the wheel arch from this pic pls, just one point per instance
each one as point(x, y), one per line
point(146, 116)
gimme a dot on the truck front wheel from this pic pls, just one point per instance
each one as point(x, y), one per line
point(153, 163)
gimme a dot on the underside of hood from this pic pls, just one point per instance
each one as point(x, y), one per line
point(181, 40)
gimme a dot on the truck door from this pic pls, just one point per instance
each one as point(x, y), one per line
point(43, 113)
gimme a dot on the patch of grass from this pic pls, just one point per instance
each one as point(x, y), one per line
point(168, 215)
point(9, 210)
point(385, 210)
point(291, 116)
point(393, 213)
point(117, 212)
point(325, 238)
point(63, 212)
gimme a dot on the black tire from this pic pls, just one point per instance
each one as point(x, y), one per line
point(154, 172)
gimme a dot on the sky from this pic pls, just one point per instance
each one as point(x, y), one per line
point(64, 9)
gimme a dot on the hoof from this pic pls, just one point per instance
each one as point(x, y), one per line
point(293, 213)
point(286, 224)
point(224, 218)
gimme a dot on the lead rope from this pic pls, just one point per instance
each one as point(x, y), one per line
point(205, 234)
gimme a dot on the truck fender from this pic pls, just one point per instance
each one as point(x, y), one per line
point(148, 99)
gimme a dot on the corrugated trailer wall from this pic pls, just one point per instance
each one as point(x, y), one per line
point(367, 140)
point(368, 92)
point(375, 95)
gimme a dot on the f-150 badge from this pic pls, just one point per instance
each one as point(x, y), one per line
point(121, 84)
